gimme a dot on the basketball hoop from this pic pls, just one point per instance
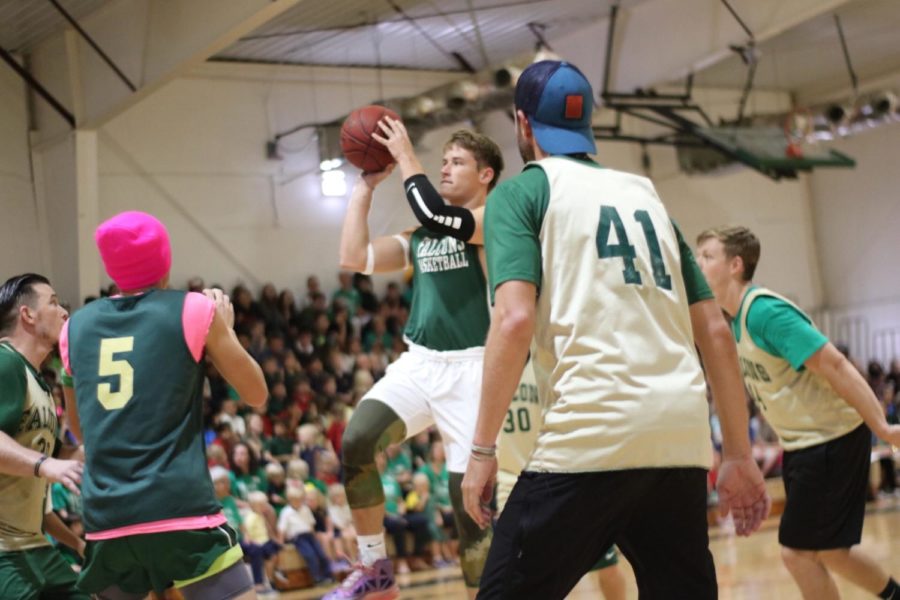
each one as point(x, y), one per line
point(798, 130)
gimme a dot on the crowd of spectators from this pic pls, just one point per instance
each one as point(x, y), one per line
point(277, 468)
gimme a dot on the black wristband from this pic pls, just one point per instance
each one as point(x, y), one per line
point(38, 463)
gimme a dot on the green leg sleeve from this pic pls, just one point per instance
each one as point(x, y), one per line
point(373, 426)
point(474, 542)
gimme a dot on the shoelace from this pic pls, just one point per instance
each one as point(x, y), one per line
point(350, 581)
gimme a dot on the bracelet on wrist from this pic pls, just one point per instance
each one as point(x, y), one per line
point(481, 457)
point(38, 463)
point(486, 450)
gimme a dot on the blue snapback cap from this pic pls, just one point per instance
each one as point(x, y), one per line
point(558, 100)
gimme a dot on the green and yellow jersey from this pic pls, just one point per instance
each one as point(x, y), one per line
point(28, 416)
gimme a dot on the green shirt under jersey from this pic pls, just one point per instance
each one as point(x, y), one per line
point(778, 328)
point(801, 406)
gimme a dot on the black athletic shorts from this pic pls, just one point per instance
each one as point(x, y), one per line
point(556, 526)
point(825, 486)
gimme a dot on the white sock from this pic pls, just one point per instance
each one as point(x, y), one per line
point(371, 548)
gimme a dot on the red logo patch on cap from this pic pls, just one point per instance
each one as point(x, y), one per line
point(574, 106)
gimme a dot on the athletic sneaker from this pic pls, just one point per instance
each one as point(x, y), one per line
point(368, 583)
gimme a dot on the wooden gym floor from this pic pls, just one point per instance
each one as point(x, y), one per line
point(748, 568)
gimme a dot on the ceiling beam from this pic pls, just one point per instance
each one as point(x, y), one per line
point(672, 55)
point(152, 43)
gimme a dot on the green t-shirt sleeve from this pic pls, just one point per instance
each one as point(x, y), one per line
point(694, 281)
point(59, 497)
point(512, 225)
point(12, 392)
point(783, 331)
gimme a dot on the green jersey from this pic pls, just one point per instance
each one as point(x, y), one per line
point(139, 395)
point(449, 306)
point(28, 416)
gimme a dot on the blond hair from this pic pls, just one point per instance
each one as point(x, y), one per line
point(738, 241)
point(484, 150)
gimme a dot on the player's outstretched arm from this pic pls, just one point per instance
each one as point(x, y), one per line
point(742, 489)
point(830, 364)
point(231, 360)
point(19, 461)
point(428, 206)
point(357, 252)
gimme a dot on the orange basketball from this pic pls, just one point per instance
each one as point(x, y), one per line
point(360, 149)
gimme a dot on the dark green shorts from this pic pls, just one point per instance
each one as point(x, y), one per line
point(610, 559)
point(156, 561)
point(41, 573)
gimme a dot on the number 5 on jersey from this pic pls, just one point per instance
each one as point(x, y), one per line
point(112, 367)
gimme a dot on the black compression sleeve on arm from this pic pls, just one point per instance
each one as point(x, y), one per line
point(434, 214)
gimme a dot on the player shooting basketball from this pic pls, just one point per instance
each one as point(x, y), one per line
point(438, 380)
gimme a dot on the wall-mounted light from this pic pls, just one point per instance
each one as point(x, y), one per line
point(330, 164)
point(334, 183)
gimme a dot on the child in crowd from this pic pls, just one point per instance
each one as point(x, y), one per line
point(276, 486)
point(342, 521)
point(308, 446)
point(324, 529)
point(421, 504)
point(261, 544)
point(296, 525)
point(221, 479)
point(281, 445)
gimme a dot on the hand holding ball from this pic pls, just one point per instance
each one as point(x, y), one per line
point(360, 148)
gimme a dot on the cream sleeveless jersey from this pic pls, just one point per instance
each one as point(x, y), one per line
point(802, 407)
point(613, 348)
point(28, 415)
point(522, 424)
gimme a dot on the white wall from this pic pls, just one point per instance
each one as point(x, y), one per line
point(857, 220)
point(193, 154)
point(19, 230)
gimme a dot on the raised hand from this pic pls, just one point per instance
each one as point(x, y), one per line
point(373, 178)
point(394, 137)
point(223, 305)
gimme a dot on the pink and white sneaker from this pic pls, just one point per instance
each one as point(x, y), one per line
point(368, 583)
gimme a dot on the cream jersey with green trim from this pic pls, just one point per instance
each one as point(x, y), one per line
point(802, 407)
point(613, 348)
point(521, 426)
point(23, 499)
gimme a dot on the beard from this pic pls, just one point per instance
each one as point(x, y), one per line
point(526, 150)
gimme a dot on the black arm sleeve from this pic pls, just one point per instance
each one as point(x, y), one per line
point(434, 214)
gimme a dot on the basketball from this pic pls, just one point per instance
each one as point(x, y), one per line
point(357, 143)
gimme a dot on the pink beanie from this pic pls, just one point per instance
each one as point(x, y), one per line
point(135, 249)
